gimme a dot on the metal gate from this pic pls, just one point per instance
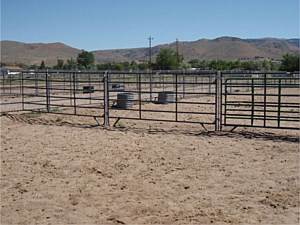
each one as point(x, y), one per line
point(269, 100)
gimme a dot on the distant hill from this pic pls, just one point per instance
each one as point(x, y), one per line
point(225, 48)
point(295, 42)
point(12, 51)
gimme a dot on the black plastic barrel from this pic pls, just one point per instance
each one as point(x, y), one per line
point(88, 89)
point(166, 97)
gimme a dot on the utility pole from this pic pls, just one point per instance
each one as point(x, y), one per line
point(150, 66)
point(177, 55)
point(150, 53)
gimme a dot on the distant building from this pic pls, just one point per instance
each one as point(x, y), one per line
point(10, 70)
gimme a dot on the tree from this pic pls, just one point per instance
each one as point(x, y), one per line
point(3, 64)
point(42, 66)
point(290, 63)
point(85, 59)
point(166, 59)
point(218, 65)
point(59, 65)
point(249, 65)
point(22, 65)
point(33, 67)
point(194, 63)
point(71, 64)
point(142, 66)
point(274, 66)
point(133, 65)
point(104, 66)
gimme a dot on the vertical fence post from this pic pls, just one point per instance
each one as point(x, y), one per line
point(36, 84)
point(252, 100)
point(183, 85)
point(218, 113)
point(47, 91)
point(176, 97)
point(225, 99)
point(22, 89)
point(279, 102)
point(220, 101)
point(64, 82)
point(216, 101)
point(193, 83)
point(140, 95)
point(163, 80)
point(209, 83)
point(151, 80)
point(90, 87)
point(74, 92)
point(265, 98)
point(10, 78)
point(3, 81)
point(137, 82)
point(106, 99)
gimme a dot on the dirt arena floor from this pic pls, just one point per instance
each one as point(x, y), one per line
point(62, 170)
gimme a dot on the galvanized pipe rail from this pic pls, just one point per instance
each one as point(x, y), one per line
point(269, 100)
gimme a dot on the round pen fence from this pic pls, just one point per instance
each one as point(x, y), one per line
point(211, 99)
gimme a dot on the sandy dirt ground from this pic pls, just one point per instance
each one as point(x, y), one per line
point(63, 170)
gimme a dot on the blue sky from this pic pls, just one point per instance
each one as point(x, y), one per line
point(112, 24)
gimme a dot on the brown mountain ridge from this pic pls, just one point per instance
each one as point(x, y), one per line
point(224, 48)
